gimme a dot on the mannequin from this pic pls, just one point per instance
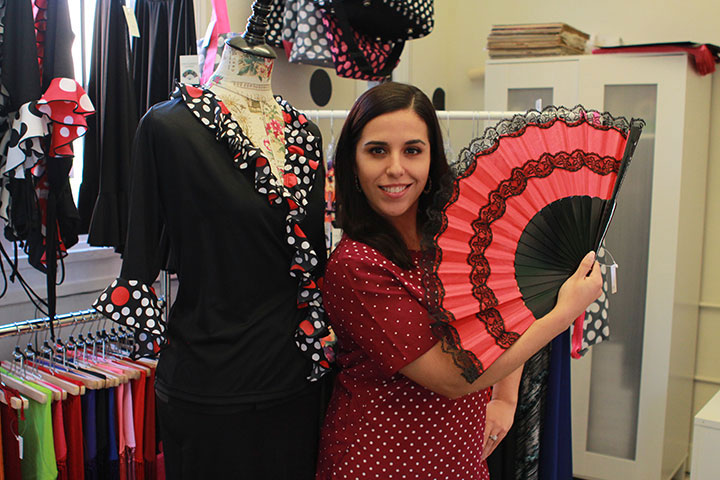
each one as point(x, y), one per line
point(241, 362)
point(242, 83)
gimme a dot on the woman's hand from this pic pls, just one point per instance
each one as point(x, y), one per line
point(498, 420)
point(500, 412)
point(578, 291)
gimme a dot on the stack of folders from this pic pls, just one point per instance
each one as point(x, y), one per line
point(535, 40)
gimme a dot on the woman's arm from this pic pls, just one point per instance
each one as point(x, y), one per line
point(437, 371)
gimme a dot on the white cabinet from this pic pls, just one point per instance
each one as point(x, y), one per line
point(706, 438)
point(632, 395)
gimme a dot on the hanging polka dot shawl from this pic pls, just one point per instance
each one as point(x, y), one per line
point(303, 159)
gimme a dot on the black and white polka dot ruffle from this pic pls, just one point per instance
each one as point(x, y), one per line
point(133, 304)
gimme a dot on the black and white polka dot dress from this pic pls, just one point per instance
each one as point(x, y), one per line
point(380, 424)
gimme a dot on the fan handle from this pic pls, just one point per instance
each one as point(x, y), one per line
point(609, 210)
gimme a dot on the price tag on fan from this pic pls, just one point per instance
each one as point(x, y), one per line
point(20, 446)
point(613, 278)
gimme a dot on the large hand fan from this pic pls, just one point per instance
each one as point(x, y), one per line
point(530, 199)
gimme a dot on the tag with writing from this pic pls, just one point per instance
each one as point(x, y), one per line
point(131, 22)
point(190, 69)
point(613, 277)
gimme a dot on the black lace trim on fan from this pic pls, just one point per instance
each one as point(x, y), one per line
point(546, 118)
point(515, 185)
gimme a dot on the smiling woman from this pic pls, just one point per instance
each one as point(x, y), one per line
point(392, 162)
point(400, 407)
point(391, 149)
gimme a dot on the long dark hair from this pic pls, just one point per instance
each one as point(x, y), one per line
point(357, 219)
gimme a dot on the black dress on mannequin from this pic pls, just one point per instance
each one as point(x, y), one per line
point(198, 192)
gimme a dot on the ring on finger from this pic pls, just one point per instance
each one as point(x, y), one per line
point(493, 437)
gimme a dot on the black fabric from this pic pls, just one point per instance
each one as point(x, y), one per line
point(59, 37)
point(518, 455)
point(167, 30)
point(230, 333)
point(275, 441)
point(101, 431)
point(24, 222)
point(103, 199)
point(20, 70)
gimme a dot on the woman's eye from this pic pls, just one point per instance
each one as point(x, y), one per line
point(413, 150)
point(377, 150)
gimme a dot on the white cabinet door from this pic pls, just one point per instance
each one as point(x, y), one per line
point(514, 86)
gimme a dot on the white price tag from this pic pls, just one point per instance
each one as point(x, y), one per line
point(131, 22)
point(190, 69)
point(20, 445)
point(613, 278)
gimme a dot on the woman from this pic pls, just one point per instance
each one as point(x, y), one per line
point(401, 408)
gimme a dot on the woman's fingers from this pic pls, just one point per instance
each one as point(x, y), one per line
point(586, 265)
point(581, 289)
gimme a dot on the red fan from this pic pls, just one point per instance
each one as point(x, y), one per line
point(530, 199)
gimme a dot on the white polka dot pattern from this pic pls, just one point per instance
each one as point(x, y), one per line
point(380, 424)
point(273, 36)
point(304, 30)
point(135, 305)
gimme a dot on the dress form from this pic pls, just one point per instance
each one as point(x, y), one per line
point(242, 83)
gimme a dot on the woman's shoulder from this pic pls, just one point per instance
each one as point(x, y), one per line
point(353, 261)
point(352, 253)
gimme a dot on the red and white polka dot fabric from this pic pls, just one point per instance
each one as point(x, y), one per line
point(66, 104)
point(380, 424)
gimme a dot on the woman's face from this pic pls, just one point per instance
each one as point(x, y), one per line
point(392, 161)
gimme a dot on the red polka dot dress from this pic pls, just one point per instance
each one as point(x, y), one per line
point(379, 423)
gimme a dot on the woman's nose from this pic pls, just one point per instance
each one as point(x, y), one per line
point(395, 167)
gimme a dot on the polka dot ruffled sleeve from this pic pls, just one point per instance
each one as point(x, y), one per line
point(135, 305)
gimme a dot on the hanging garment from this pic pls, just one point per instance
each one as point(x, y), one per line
point(20, 70)
point(72, 417)
point(59, 440)
point(11, 445)
point(103, 198)
point(38, 462)
point(89, 420)
point(167, 30)
point(149, 438)
point(59, 37)
point(138, 398)
point(19, 78)
point(556, 440)
point(40, 11)
point(4, 97)
point(112, 465)
point(518, 455)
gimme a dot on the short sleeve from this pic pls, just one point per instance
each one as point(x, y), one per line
point(373, 306)
point(130, 300)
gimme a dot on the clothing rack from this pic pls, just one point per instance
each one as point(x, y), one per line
point(36, 324)
point(442, 114)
